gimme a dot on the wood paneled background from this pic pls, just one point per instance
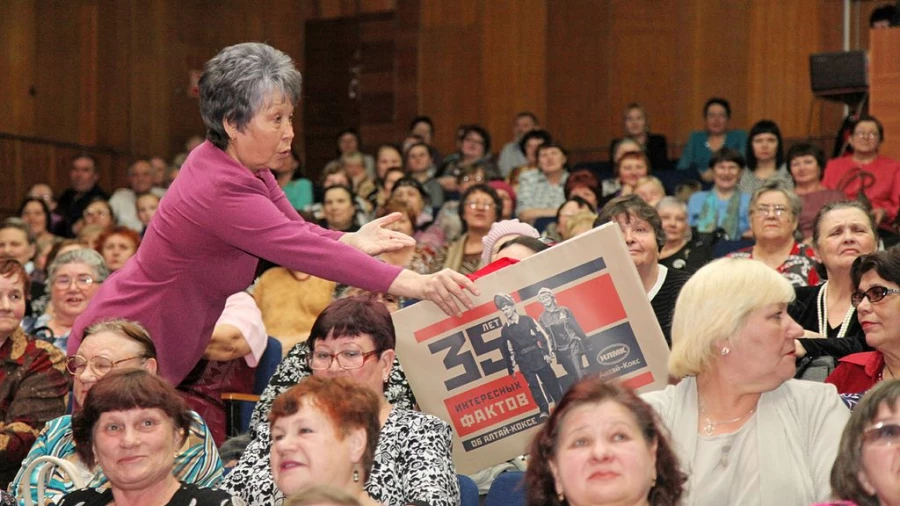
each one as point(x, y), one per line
point(111, 76)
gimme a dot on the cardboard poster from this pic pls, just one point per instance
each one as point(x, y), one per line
point(495, 372)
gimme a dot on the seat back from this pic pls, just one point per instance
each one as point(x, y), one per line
point(508, 489)
point(468, 490)
point(268, 363)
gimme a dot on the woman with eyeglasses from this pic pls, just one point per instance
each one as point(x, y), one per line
point(107, 346)
point(354, 338)
point(774, 210)
point(867, 173)
point(479, 208)
point(876, 283)
point(73, 277)
point(865, 472)
point(33, 385)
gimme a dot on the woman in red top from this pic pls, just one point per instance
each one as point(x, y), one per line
point(867, 172)
point(876, 279)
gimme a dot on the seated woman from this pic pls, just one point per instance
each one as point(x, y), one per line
point(98, 213)
point(630, 168)
point(134, 417)
point(33, 384)
point(507, 196)
point(642, 229)
point(583, 183)
point(773, 220)
point(601, 425)
point(842, 232)
point(421, 258)
point(558, 232)
point(474, 149)
point(637, 128)
point(765, 158)
point(74, 277)
point(117, 245)
point(703, 144)
point(447, 225)
point(528, 144)
point(413, 194)
point(413, 460)
point(519, 248)
point(867, 172)
point(36, 214)
point(680, 252)
point(339, 207)
point(541, 192)
point(724, 206)
point(501, 233)
point(864, 471)
point(651, 189)
point(876, 283)
point(109, 346)
point(420, 166)
point(349, 142)
point(749, 433)
point(806, 162)
point(480, 208)
point(325, 433)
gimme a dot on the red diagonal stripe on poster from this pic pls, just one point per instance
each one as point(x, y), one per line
point(595, 303)
point(448, 324)
point(638, 381)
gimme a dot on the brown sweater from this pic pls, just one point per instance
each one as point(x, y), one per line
point(290, 305)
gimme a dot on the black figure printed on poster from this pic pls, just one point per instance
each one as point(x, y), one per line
point(525, 346)
point(568, 342)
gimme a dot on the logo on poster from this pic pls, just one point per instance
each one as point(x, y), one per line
point(613, 354)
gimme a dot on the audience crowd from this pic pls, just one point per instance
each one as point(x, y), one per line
point(770, 270)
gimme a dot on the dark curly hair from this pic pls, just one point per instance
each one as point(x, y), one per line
point(539, 479)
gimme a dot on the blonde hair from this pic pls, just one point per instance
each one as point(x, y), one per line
point(651, 180)
point(714, 305)
point(579, 219)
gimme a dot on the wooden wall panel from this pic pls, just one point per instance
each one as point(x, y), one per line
point(885, 82)
point(18, 26)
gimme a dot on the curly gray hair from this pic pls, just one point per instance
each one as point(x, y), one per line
point(238, 81)
point(85, 256)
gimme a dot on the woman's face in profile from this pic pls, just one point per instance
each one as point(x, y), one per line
point(265, 142)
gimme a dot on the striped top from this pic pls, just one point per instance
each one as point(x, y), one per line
point(198, 461)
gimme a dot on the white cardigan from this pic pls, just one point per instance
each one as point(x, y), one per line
point(799, 426)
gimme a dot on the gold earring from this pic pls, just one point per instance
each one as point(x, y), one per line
point(355, 475)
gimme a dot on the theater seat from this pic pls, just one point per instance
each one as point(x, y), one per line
point(508, 489)
point(468, 491)
point(239, 406)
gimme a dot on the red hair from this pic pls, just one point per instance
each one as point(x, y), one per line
point(123, 231)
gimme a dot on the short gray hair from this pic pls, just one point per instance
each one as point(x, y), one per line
point(776, 185)
point(236, 83)
point(85, 256)
point(19, 224)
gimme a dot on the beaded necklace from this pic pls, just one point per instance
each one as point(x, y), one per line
point(822, 307)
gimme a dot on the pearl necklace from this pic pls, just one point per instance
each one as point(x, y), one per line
point(710, 426)
point(822, 307)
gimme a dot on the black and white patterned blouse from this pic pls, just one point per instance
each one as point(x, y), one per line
point(413, 459)
point(186, 495)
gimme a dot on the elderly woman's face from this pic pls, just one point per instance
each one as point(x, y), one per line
point(12, 305)
point(762, 357)
point(470, 180)
point(98, 213)
point(348, 143)
point(879, 319)
point(373, 370)
point(479, 211)
point(865, 139)
point(338, 208)
point(265, 142)
point(772, 219)
point(844, 234)
point(307, 449)
point(418, 159)
point(74, 286)
point(640, 238)
point(108, 351)
point(602, 456)
point(473, 146)
point(411, 197)
point(674, 223)
point(136, 448)
point(551, 160)
point(631, 170)
point(34, 216)
point(726, 176)
point(117, 249)
point(716, 119)
point(880, 457)
point(569, 209)
point(387, 159)
point(14, 244)
point(635, 122)
point(806, 170)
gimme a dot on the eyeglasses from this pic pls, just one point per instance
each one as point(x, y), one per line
point(99, 364)
point(882, 434)
point(484, 206)
point(778, 211)
point(866, 135)
point(476, 140)
point(477, 179)
point(347, 359)
point(96, 214)
point(874, 294)
point(83, 281)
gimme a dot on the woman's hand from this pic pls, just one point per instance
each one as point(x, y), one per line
point(373, 239)
point(446, 288)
